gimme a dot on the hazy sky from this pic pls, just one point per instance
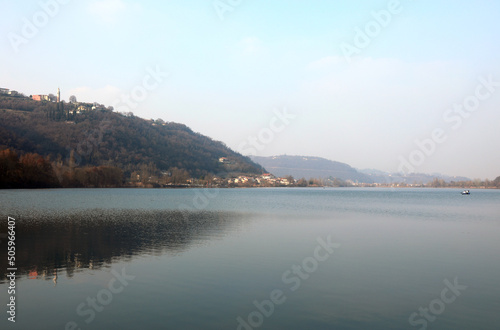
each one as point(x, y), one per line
point(352, 81)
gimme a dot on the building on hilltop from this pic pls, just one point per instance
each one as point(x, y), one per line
point(4, 91)
point(82, 108)
point(98, 107)
point(40, 97)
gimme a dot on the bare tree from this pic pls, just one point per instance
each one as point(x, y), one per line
point(72, 99)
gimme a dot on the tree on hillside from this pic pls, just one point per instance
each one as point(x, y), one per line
point(98, 177)
point(28, 171)
point(437, 183)
point(9, 169)
point(302, 182)
point(178, 176)
point(37, 172)
point(72, 99)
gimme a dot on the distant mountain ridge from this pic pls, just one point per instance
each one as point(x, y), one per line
point(310, 167)
point(317, 167)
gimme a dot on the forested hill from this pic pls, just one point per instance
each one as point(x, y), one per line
point(106, 138)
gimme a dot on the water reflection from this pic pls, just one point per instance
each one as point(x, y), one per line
point(91, 239)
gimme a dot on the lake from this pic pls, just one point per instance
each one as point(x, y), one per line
point(267, 258)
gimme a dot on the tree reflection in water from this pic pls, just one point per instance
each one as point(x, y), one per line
point(73, 241)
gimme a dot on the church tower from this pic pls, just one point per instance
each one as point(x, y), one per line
point(58, 95)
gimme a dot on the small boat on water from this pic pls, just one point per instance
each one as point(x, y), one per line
point(466, 192)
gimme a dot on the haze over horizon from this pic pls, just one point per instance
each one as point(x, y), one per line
point(389, 85)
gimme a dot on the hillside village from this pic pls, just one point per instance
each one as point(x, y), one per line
point(76, 107)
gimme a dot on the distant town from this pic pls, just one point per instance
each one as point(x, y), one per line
point(270, 180)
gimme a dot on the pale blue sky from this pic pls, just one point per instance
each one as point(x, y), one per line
point(227, 76)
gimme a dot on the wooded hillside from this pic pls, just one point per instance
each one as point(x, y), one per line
point(104, 138)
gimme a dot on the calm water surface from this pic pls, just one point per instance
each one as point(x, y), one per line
point(253, 258)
